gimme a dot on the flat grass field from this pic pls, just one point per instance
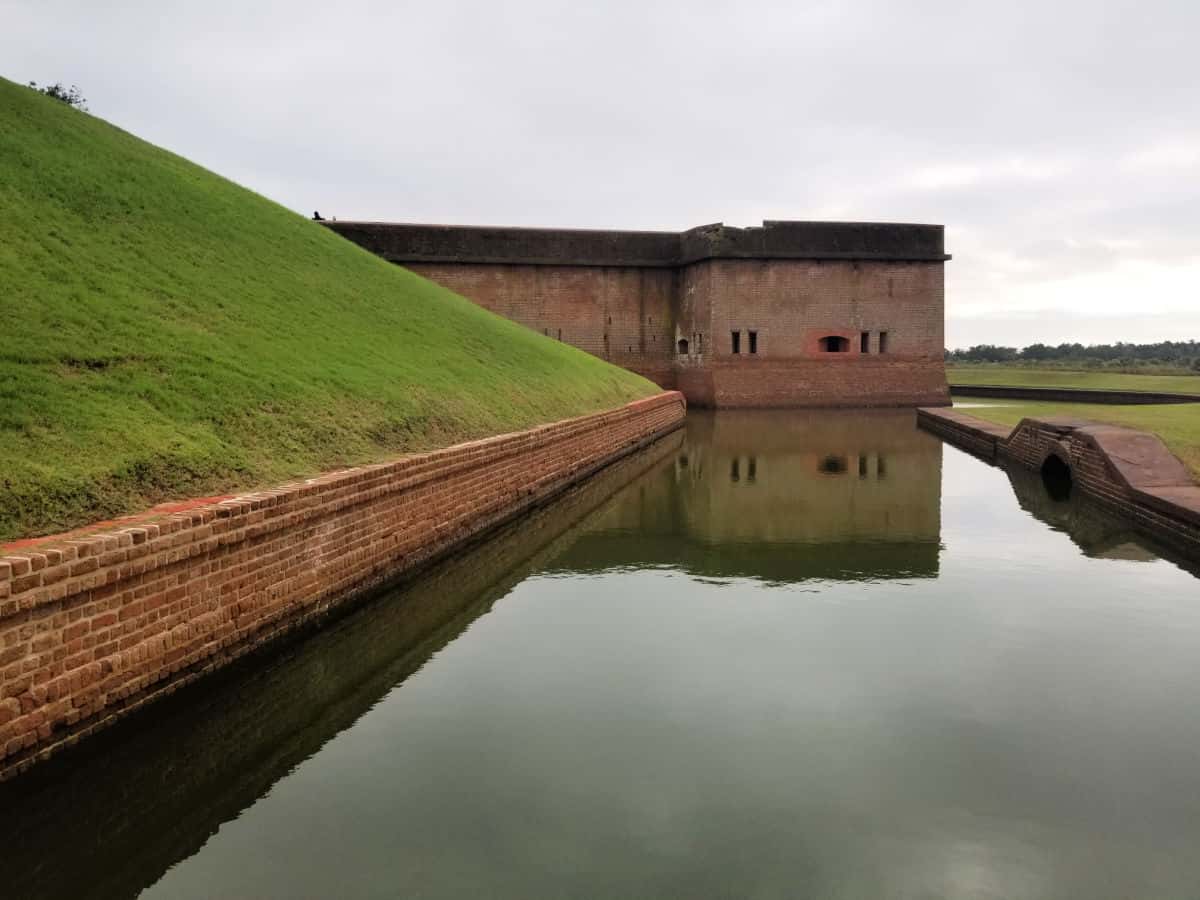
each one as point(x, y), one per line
point(1177, 424)
point(1019, 376)
point(165, 333)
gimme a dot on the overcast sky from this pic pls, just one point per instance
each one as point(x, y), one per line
point(1058, 141)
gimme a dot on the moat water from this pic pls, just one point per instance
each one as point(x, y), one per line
point(776, 655)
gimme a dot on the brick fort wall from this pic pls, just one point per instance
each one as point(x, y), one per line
point(623, 314)
point(789, 314)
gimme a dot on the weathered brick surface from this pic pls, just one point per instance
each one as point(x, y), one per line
point(1128, 472)
point(92, 627)
point(668, 310)
point(636, 317)
point(623, 315)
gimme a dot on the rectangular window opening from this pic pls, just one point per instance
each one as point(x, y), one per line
point(753, 341)
point(864, 342)
point(883, 342)
point(737, 341)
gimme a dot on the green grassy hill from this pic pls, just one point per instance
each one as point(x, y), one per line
point(165, 333)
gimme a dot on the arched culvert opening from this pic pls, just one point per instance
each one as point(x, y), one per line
point(1056, 476)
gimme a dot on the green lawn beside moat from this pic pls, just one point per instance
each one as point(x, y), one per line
point(1178, 424)
point(1019, 376)
point(165, 333)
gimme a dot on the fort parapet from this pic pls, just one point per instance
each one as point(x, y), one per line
point(786, 314)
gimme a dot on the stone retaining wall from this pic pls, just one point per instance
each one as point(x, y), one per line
point(1129, 472)
point(93, 626)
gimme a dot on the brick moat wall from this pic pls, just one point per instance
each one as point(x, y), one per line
point(730, 317)
point(94, 626)
point(201, 761)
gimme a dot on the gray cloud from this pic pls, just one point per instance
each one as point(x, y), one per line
point(1056, 141)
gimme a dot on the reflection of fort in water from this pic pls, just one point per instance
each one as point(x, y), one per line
point(783, 497)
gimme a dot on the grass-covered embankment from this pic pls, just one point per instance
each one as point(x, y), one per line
point(165, 333)
point(1021, 376)
point(1177, 424)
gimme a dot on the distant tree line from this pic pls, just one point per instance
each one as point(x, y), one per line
point(1164, 354)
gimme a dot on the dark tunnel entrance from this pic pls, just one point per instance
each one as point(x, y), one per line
point(1056, 476)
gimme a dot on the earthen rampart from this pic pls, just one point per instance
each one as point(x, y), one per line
point(93, 626)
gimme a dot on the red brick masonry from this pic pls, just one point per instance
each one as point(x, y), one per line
point(668, 304)
point(1128, 471)
point(93, 626)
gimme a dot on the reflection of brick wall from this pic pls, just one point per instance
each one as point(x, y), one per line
point(632, 298)
point(821, 477)
point(92, 626)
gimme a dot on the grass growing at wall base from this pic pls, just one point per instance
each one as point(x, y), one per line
point(165, 333)
point(1020, 376)
point(1177, 424)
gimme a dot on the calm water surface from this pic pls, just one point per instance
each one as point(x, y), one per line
point(778, 655)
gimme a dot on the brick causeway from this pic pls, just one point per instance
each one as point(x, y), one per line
point(1129, 472)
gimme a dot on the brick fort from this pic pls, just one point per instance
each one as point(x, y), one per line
point(786, 314)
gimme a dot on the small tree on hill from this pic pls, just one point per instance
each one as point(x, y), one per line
point(70, 96)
